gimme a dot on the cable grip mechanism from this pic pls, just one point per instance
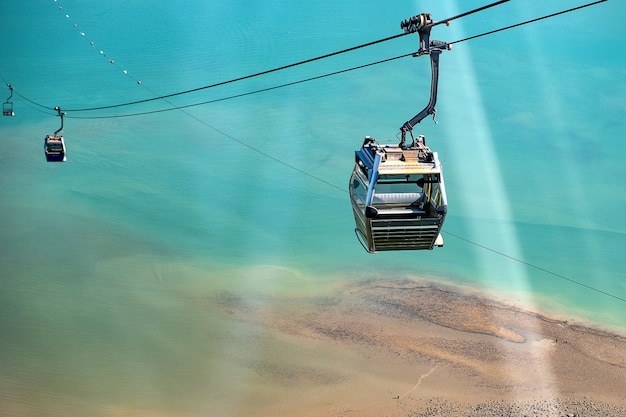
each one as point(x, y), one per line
point(415, 23)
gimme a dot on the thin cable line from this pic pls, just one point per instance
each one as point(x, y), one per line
point(244, 94)
point(287, 66)
point(306, 61)
point(537, 267)
point(527, 22)
point(224, 83)
point(272, 157)
point(17, 93)
point(480, 9)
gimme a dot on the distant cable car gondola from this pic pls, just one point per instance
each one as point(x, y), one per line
point(7, 106)
point(54, 146)
point(397, 192)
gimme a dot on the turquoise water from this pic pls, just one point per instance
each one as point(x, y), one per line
point(106, 258)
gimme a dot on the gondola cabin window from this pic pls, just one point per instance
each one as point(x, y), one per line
point(359, 190)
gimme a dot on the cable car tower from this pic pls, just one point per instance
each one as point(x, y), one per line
point(54, 146)
point(397, 192)
point(7, 106)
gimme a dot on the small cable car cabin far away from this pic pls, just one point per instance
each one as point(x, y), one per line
point(397, 192)
point(54, 145)
point(7, 109)
point(7, 106)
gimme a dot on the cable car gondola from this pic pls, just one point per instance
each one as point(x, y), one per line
point(54, 146)
point(7, 106)
point(397, 192)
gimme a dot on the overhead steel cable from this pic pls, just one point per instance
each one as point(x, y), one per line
point(317, 77)
point(51, 108)
point(458, 16)
point(335, 72)
point(219, 83)
point(306, 61)
point(547, 271)
point(527, 22)
point(17, 93)
point(193, 90)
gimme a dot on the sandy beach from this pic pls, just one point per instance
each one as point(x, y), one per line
point(412, 348)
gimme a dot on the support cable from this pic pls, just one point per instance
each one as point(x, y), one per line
point(247, 93)
point(193, 90)
point(527, 22)
point(306, 61)
point(328, 74)
point(547, 271)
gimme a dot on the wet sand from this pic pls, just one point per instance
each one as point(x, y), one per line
point(413, 348)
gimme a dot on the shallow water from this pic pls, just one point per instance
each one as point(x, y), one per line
point(108, 260)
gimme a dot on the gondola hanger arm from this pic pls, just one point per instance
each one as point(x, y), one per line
point(422, 24)
point(60, 114)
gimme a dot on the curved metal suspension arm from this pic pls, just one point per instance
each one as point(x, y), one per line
point(422, 25)
point(60, 114)
point(11, 90)
point(430, 107)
